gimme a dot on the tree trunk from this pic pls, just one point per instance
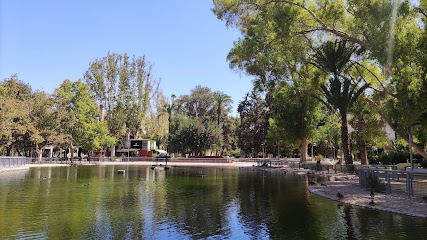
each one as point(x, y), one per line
point(39, 153)
point(113, 151)
point(169, 120)
point(304, 147)
point(8, 150)
point(18, 152)
point(363, 153)
point(330, 149)
point(344, 140)
point(219, 114)
point(71, 151)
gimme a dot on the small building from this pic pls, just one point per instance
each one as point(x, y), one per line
point(145, 147)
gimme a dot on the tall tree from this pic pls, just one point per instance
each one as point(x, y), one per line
point(189, 136)
point(297, 114)
point(254, 115)
point(156, 123)
point(168, 109)
point(15, 108)
point(329, 133)
point(369, 129)
point(222, 100)
point(124, 85)
point(340, 93)
point(230, 135)
point(80, 116)
point(391, 33)
point(45, 121)
point(200, 103)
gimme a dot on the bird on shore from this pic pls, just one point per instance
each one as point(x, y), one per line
point(339, 195)
point(425, 199)
point(311, 183)
point(86, 185)
point(323, 184)
point(372, 203)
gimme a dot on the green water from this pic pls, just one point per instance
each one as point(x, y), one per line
point(227, 203)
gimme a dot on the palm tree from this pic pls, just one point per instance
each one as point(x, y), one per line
point(340, 94)
point(221, 100)
point(168, 109)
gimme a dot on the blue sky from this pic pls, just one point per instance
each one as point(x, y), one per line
point(46, 42)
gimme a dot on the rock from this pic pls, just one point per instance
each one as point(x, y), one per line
point(311, 183)
point(339, 195)
point(323, 184)
point(425, 199)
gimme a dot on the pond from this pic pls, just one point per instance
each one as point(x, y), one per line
point(95, 202)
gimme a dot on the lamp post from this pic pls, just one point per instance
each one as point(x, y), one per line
point(411, 138)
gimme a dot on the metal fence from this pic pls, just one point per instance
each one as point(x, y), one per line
point(8, 162)
point(395, 181)
point(55, 160)
point(265, 162)
point(124, 159)
point(343, 168)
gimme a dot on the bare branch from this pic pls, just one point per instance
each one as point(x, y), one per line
point(420, 10)
point(373, 88)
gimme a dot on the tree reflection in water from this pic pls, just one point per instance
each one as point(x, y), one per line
point(179, 203)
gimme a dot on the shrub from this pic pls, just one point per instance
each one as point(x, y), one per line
point(390, 158)
point(419, 159)
point(318, 158)
point(374, 159)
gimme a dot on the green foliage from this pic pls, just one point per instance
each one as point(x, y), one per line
point(192, 137)
point(168, 109)
point(208, 109)
point(253, 127)
point(230, 136)
point(318, 158)
point(422, 161)
point(204, 104)
point(222, 100)
point(297, 113)
point(390, 35)
point(393, 157)
point(367, 124)
point(340, 94)
point(79, 121)
point(16, 127)
point(123, 85)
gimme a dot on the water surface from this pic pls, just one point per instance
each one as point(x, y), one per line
point(182, 203)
